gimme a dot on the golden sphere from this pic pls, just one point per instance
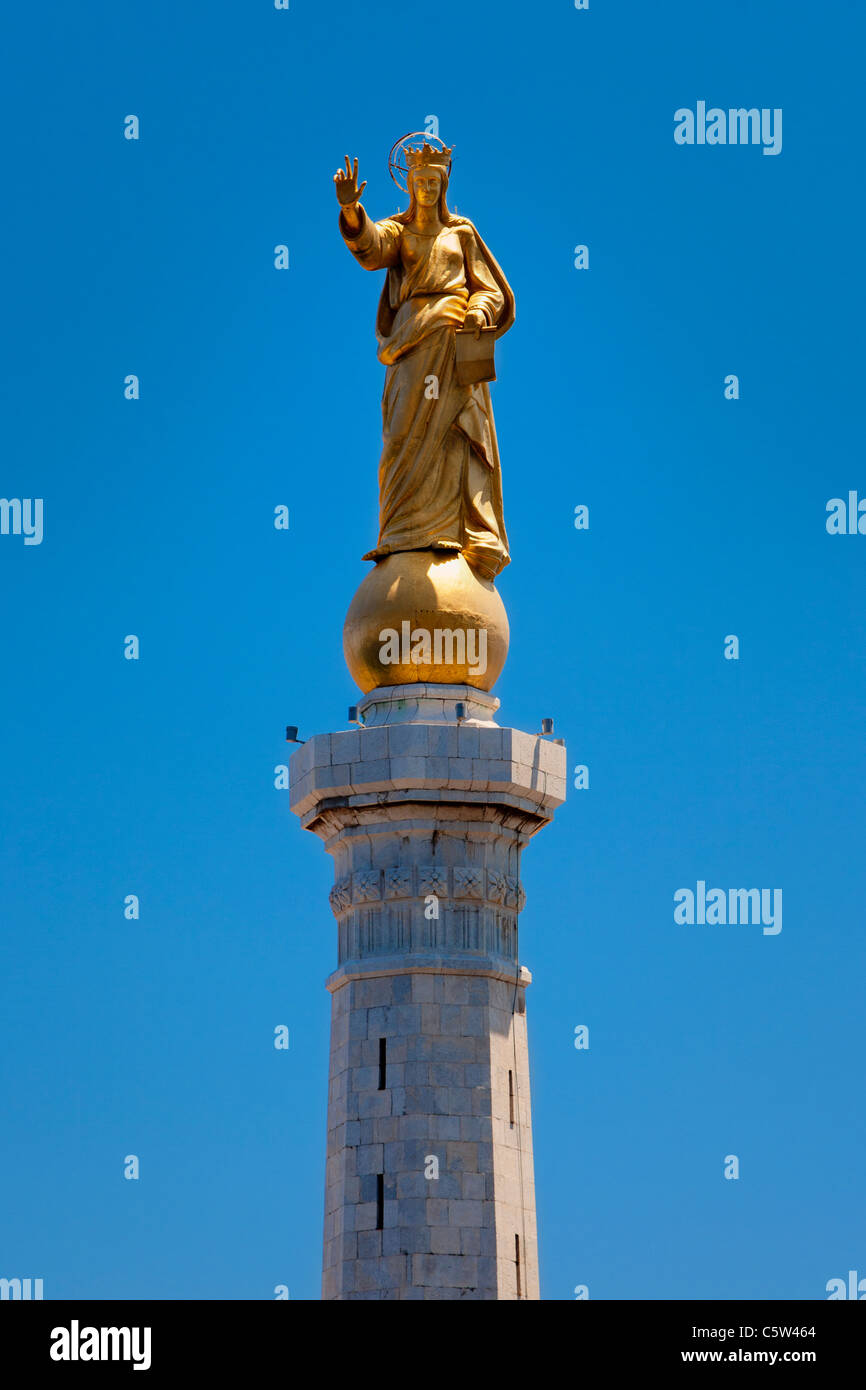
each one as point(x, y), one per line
point(424, 615)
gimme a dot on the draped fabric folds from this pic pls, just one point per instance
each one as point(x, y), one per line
point(440, 483)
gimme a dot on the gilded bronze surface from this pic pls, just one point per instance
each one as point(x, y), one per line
point(416, 595)
point(440, 481)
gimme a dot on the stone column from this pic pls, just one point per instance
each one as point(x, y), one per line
point(429, 1186)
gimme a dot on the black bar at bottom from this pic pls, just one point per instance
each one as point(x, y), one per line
point(164, 1338)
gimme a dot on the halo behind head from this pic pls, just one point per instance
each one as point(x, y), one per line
point(426, 155)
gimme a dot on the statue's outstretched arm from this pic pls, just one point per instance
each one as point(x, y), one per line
point(374, 244)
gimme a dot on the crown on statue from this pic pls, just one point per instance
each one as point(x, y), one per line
point(427, 156)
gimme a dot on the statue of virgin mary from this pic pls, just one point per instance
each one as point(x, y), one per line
point(440, 483)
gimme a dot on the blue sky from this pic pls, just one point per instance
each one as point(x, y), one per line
point(260, 387)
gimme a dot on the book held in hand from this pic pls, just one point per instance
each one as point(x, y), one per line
point(475, 356)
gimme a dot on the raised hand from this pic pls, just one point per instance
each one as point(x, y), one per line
point(348, 191)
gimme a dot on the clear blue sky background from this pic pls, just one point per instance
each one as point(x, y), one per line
point(259, 387)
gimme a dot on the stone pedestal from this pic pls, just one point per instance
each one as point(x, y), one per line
point(429, 1188)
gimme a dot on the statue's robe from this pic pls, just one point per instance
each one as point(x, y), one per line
point(440, 483)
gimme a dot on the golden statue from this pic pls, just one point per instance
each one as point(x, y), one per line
point(442, 537)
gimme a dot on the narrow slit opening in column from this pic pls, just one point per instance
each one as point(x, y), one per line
point(383, 1061)
point(511, 1098)
point(517, 1262)
point(380, 1201)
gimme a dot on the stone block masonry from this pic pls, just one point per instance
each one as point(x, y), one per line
point(429, 1182)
